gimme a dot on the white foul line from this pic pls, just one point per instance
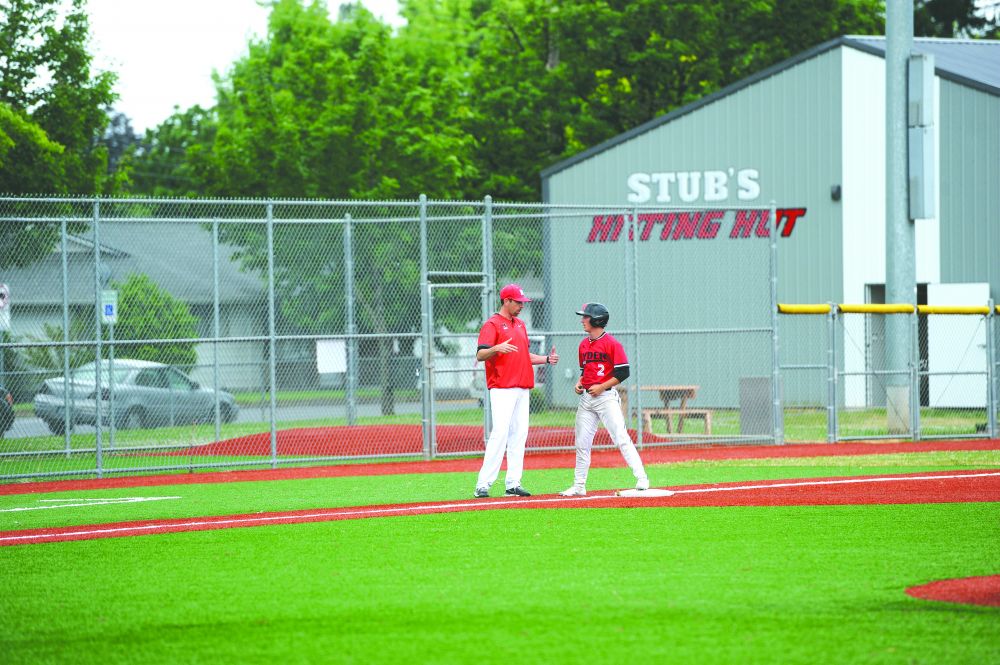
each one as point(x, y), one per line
point(465, 504)
point(91, 502)
point(843, 481)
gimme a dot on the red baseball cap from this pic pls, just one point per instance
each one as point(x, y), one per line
point(513, 292)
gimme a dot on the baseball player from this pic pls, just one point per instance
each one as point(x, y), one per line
point(510, 376)
point(603, 365)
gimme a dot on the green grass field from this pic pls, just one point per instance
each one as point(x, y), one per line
point(691, 585)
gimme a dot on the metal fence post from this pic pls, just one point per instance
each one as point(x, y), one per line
point(272, 342)
point(427, 400)
point(831, 376)
point(915, 373)
point(489, 297)
point(777, 411)
point(111, 385)
point(633, 258)
point(352, 326)
point(216, 327)
point(99, 443)
point(991, 370)
point(67, 404)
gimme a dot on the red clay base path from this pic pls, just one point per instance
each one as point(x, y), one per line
point(534, 460)
point(939, 487)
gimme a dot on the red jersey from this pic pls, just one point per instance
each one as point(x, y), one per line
point(599, 358)
point(507, 370)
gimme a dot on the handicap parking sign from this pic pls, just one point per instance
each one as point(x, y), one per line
point(109, 307)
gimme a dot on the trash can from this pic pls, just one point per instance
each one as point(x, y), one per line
point(756, 412)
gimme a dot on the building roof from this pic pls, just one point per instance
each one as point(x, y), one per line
point(176, 257)
point(970, 62)
point(974, 62)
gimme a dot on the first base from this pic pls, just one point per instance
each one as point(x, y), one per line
point(644, 493)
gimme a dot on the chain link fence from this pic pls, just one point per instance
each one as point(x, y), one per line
point(146, 335)
point(913, 373)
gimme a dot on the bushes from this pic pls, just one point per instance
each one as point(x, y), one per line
point(538, 401)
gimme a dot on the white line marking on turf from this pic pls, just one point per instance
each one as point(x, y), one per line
point(60, 503)
point(465, 504)
point(843, 481)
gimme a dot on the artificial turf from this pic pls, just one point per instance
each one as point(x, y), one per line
point(691, 585)
point(248, 497)
point(791, 584)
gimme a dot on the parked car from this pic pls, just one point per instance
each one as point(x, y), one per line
point(146, 394)
point(6, 410)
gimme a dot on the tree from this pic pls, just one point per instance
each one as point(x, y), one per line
point(45, 74)
point(53, 110)
point(119, 140)
point(170, 160)
point(148, 312)
point(955, 18)
point(552, 78)
point(335, 110)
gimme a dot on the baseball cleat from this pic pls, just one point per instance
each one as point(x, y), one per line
point(642, 484)
point(575, 490)
point(481, 492)
point(517, 491)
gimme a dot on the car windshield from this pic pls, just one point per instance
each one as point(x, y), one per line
point(86, 375)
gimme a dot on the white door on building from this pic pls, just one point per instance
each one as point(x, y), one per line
point(956, 349)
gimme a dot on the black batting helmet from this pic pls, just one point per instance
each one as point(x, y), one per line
point(597, 312)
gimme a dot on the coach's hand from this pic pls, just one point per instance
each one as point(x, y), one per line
point(506, 347)
point(553, 357)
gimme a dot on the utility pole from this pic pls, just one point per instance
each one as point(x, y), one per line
point(900, 268)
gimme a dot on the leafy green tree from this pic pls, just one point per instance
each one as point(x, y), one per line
point(170, 160)
point(45, 74)
point(53, 110)
point(148, 312)
point(552, 78)
point(334, 110)
point(22, 142)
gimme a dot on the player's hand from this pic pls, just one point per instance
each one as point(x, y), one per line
point(506, 347)
point(578, 388)
point(595, 389)
point(553, 357)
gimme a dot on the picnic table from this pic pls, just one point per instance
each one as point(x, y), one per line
point(674, 400)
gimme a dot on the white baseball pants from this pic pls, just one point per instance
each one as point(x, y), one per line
point(591, 411)
point(509, 409)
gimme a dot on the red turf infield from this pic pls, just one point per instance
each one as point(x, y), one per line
point(938, 487)
point(535, 460)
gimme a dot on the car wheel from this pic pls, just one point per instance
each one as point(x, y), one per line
point(226, 413)
point(134, 419)
point(57, 427)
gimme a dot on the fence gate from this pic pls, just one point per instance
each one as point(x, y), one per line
point(453, 380)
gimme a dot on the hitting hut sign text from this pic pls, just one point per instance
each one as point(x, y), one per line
point(685, 187)
point(695, 224)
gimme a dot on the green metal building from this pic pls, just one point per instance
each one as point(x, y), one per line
point(808, 137)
